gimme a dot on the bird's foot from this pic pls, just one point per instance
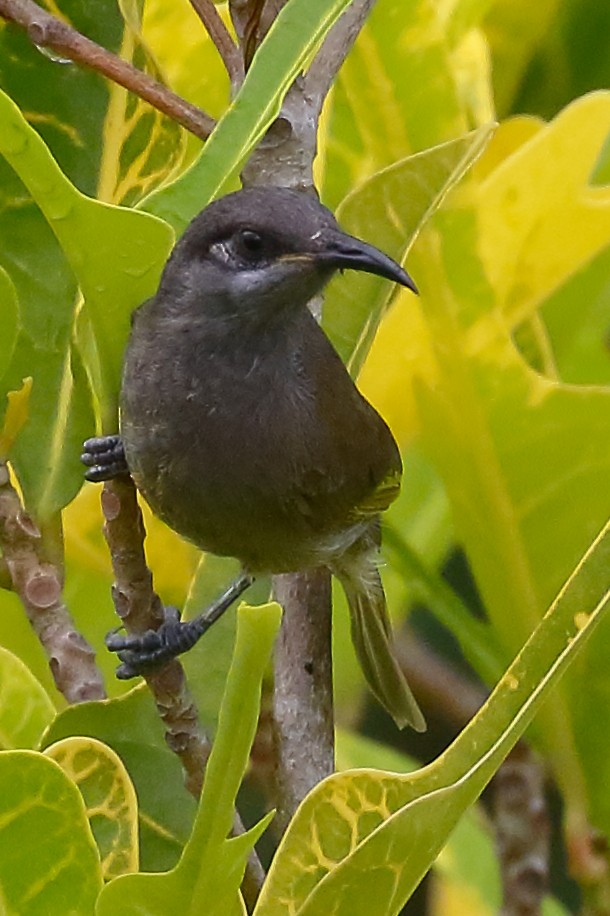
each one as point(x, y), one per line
point(104, 458)
point(154, 648)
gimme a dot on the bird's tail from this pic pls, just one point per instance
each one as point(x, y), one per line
point(372, 636)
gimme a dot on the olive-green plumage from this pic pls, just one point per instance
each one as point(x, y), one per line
point(240, 424)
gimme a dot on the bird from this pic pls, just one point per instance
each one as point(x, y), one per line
point(242, 428)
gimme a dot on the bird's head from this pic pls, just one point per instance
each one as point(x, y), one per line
point(261, 251)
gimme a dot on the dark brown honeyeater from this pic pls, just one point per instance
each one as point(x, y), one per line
point(242, 428)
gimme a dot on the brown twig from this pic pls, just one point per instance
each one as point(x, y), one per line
point(221, 37)
point(140, 609)
point(47, 31)
point(303, 698)
point(522, 832)
point(39, 586)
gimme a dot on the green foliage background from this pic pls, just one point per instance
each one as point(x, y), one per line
point(495, 382)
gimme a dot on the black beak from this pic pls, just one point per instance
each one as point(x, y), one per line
point(343, 251)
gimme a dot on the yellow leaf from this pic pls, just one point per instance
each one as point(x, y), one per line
point(16, 415)
point(109, 796)
point(539, 218)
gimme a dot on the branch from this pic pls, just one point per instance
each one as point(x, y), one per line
point(335, 48)
point(252, 19)
point(45, 30)
point(221, 37)
point(140, 609)
point(39, 585)
point(522, 832)
point(285, 155)
point(303, 698)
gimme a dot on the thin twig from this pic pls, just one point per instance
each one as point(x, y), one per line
point(140, 609)
point(221, 37)
point(252, 19)
point(39, 586)
point(46, 31)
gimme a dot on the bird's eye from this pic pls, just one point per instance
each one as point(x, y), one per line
point(251, 242)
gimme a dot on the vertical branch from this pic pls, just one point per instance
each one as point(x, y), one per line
point(303, 699)
point(522, 832)
point(140, 609)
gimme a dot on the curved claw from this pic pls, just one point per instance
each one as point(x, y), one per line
point(104, 458)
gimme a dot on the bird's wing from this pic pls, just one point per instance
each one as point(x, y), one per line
point(381, 497)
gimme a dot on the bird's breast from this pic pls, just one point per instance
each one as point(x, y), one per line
point(254, 446)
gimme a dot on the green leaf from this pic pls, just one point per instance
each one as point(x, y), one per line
point(297, 31)
point(111, 144)
point(524, 456)
point(110, 800)
point(362, 840)
point(209, 874)
point(207, 664)
point(92, 236)
point(9, 318)
point(402, 89)
point(49, 863)
point(25, 707)
point(130, 725)
point(390, 209)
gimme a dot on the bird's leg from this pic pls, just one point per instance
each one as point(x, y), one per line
point(104, 457)
point(153, 649)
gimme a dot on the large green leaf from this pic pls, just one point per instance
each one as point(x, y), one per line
point(49, 862)
point(403, 88)
point(116, 256)
point(391, 208)
point(130, 725)
point(209, 873)
point(110, 144)
point(109, 796)
point(362, 840)
point(297, 31)
point(525, 457)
